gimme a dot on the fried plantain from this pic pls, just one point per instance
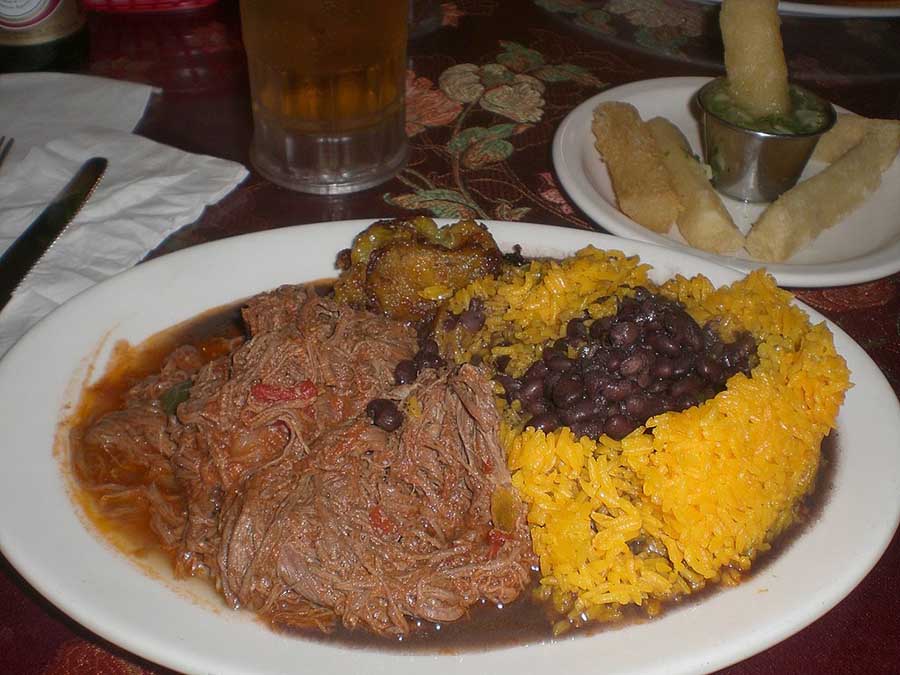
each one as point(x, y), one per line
point(404, 268)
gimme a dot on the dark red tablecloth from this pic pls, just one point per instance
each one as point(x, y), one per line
point(551, 55)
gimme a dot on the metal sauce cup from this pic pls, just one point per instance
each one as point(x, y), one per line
point(756, 166)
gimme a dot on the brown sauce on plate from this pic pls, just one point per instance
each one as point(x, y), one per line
point(522, 622)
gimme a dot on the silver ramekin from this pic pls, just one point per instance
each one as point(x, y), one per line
point(755, 166)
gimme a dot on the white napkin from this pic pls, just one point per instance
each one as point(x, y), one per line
point(38, 107)
point(149, 189)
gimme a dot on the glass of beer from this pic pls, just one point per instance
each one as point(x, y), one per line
point(327, 86)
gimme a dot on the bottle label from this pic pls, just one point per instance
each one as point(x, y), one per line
point(29, 22)
point(25, 13)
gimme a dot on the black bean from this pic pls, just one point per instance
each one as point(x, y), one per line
point(594, 383)
point(693, 339)
point(536, 369)
point(501, 362)
point(550, 353)
point(576, 330)
point(662, 367)
point(674, 322)
point(472, 319)
point(550, 381)
point(429, 346)
point(682, 365)
point(384, 414)
point(618, 427)
point(644, 378)
point(510, 386)
point(591, 429)
point(582, 410)
point(745, 345)
point(545, 422)
point(637, 406)
point(615, 359)
point(618, 390)
point(650, 357)
point(624, 334)
point(563, 345)
point(664, 344)
point(375, 405)
point(560, 364)
point(657, 387)
point(737, 353)
point(654, 406)
point(566, 418)
point(424, 361)
point(601, 411)
point(535, 406)
point(451, 322)
point(649, 311)
point(628, 309)
point(600, 327)
point(532, 389)
point(405, 372)
point(689, 386)
point(633, 364)
point(567, 390)
point(709, 369)
point(684, 402)
point(665, 402)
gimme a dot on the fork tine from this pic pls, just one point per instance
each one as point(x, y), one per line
point(5, 145)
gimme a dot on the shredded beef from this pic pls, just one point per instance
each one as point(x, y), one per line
point(272, 480)
point(380, 527)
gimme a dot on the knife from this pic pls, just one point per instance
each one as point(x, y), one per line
point(31, 245)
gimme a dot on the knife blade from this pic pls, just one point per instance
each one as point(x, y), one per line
point(46, 229)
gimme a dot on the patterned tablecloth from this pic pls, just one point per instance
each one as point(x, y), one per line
point(485, 93)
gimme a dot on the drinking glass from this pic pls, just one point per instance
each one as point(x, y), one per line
point(327, 87)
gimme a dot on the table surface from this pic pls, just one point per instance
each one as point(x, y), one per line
point(564, 51)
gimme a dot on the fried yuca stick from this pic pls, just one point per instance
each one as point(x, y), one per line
point(847, 132)
point(704, 222)
point(754, 56)
point(806, 210)
point(641, 183)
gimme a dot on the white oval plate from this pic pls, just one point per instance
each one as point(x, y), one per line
point(846, 11)
point(174, 624)
point(862, 247)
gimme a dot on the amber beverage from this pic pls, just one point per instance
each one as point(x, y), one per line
point(327, 86)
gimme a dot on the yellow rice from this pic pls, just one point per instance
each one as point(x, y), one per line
point(713, 484)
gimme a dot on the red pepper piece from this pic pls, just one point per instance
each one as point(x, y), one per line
point(496, 538)
point(380, 521)
point(270, 393)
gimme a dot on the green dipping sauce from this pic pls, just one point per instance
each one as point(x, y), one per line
point(809, 114)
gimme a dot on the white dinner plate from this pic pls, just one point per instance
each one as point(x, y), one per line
point(862, 247)
point(178, 625)
point(849, 10)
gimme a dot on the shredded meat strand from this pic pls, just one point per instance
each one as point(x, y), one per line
point(271, 479)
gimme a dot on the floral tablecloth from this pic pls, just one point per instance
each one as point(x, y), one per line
point(486, 92)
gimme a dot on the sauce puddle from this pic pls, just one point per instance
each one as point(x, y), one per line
point(525, 621)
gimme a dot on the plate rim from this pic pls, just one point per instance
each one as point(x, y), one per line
point(827, 11)
point(504, 659)
point(579, 188)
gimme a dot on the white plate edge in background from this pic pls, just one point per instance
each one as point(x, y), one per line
point(828, 11)
point(573, 138)
point(46, 541)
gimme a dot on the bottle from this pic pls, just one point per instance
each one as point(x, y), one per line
point(42, 35)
